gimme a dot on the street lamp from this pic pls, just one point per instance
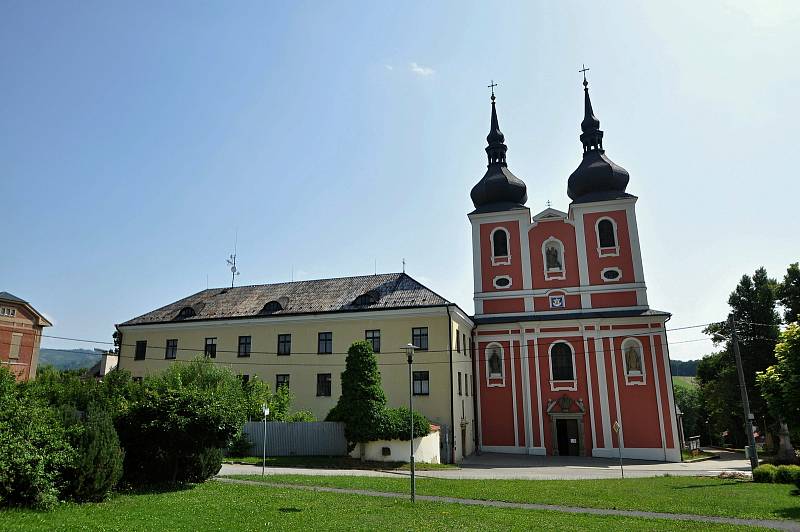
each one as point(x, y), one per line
point(265, 409)
point(409, 349)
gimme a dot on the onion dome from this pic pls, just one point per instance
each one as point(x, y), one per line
point(499, 189)
point(597, 178)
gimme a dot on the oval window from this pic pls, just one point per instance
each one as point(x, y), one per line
point(502, 282)
point(611, 274)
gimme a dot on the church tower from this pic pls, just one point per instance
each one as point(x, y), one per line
point(570, 359)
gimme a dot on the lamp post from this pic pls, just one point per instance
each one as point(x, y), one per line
point(265, 409)
point(409, 348)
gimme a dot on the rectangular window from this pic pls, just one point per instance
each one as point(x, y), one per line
point(211, 348)
point(419, 337)
point(16, 342)
point(172, 349)
point(281, 380)
point(471, 347)
point(459, 383)
point(421, 383)
point(141, 350)
point(323, 384)
point(245, 343)
point(464, 342)
point(325, 343)
point(374, 337)
point(458, 343)
point(284, 344)
point(466, 384)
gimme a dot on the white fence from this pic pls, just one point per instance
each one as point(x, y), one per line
point(318, 438)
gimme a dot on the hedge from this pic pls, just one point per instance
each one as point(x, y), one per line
point(787, 474)
point(765, 473)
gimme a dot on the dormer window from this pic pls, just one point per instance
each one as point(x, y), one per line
point(186, 312)
point(365, 300)
point(500, 254)
point(553, 259)
point(272, 306)
point(607, 241)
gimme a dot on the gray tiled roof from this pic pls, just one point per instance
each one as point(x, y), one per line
point(391, 291)
point(5, 296)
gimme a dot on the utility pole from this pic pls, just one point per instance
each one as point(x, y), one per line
point(409, 349)
point(748, 417)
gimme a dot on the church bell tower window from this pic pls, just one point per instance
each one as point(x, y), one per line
point(500, 254)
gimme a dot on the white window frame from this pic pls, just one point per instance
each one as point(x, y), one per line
point(607, 252)
point(490, 376)
point(573, 384)
point(633, 378)
point(502, 260)
point(552, 275)
point(497, 278)
point(612, 269)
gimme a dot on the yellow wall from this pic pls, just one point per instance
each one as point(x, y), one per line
point(304, 363)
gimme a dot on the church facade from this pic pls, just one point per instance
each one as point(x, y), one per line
point(570, 359)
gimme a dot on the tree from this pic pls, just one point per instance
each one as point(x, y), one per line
point(757, 324)
point(362, 403)
point(688, 400)
point(789, 293)
point(780, 385)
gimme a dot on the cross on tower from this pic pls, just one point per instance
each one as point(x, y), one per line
point(584, 70)
point(492, 86)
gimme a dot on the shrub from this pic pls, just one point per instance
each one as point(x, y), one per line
point(34, 449)
point(203, 465)
point(787, 474)
point(240, 446)
point(395, 424)
point(98, 464)
point(765, 473)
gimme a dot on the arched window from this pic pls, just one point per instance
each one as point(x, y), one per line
point(494, 361)
point(500, 244)
point(553, 258)
point(607, 242)
point(186, 312)
point(561, 362)
point(272, 306)
point(363, 300)
point(632, 354)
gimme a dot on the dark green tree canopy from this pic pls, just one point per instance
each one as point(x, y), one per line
point(789, 293)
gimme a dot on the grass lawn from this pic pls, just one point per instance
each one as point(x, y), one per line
point(684, 382)
point(334, 462)
point(687, 495)
point(218, 506)
point(689, 457)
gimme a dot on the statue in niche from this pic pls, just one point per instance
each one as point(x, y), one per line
point(494, 364)
point(553, 258)
point(633, 359)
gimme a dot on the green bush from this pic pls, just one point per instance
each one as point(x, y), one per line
point(395, 425)
point(203, 465)
point(240, 446)
point(787, 474)
point(98, 464)
point(34, 449)
point(765, 473)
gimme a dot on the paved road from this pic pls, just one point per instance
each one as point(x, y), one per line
point(504, 466)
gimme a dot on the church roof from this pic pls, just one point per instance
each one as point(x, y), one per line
point(383, 291)
point(498, 189)
point(589, 314)
point(597, 178)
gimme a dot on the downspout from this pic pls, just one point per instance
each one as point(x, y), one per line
point(474, 354)
point(452, 416)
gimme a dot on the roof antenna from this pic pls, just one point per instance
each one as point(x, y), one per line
point(376, 266)
point(232, 259)
point(404, 265)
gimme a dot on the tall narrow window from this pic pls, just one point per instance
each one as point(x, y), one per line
point(561, 362)
point(211, 348)
point(245, 343)
point(421, 383)
point(16, 342)
point(458, 343)
point(466, 384)
point(606, 235)
point(374, 337)
point(282, 379)
point(284, 344)
point(499, 243)
point(325, 343)
point(141, 350)
point(323, 384)
point(464, 342)
point(419, 337)
point(172, 349)
point(459, 383)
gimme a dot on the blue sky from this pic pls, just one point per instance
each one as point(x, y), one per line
point(137, 138)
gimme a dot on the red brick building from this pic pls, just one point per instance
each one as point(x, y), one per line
point(21, 329)
point(571, 360)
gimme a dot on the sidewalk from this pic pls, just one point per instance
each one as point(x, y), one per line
point(764, 523)
point(509, 466)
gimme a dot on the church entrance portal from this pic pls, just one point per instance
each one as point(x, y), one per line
point(567, 437)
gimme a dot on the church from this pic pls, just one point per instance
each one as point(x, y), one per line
point(570, 358)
